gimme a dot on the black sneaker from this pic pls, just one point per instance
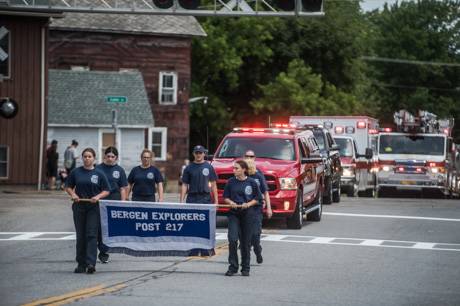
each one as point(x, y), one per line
point(259, 258)
point(104, 257)
point(90, 269)
point(80, 269)
point(229, 273)
point(245, 273)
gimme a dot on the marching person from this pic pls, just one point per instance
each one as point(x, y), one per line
point(90, 184)
point(199, 180)
point(144, 179)
point(118, 189)
point(243, 195)
point(262, 183)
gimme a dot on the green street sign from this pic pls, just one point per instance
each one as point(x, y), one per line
point(116, 99)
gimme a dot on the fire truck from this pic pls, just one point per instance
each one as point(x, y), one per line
point(362, 167)
point(419, 155)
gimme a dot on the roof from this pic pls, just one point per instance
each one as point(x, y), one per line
point(130, 23)
point(80, 98)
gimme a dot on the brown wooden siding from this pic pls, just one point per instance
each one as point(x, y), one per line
point(22, 133)
point(150, 55)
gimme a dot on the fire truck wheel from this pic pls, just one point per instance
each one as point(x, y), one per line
point(327, 197)
point(316, 214)
point(296, 220)
point(336, 194)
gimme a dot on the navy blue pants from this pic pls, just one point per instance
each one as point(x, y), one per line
point(103, 249)
point(141, 198)
point(200, 198)
point(87, 222)
point(257, 231)
point(240, 227)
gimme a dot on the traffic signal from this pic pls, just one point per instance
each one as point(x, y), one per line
point(163, 4)
point(8, 108)
point(184, 4)
point(306, 5)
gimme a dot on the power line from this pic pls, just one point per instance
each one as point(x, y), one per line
point(416, 87)
point(403, 61)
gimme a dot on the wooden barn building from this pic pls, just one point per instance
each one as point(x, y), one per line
point(23, 79)
point(159, 47)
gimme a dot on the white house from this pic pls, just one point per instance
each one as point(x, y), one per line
point(81, 106)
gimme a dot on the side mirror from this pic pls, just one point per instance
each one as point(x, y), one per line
point(368, 154)
point(209, 157)
point(312, 160)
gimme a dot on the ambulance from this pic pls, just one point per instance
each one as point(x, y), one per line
point(418, 155)
point(364, 130)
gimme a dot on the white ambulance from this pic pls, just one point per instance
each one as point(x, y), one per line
point(363, 130)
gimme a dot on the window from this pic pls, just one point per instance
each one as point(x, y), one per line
point(3, 162)
point(158, 142)
point(272, 148)
point(167, 93)
point(5, 52)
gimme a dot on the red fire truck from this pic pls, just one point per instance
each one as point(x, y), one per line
point(364, 130)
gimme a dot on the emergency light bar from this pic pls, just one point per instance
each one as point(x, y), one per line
point(264, 130)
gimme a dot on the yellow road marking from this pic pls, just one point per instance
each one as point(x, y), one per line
point(76, 295)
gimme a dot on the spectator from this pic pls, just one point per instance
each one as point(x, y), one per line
point(52, 157)
point(70, 156)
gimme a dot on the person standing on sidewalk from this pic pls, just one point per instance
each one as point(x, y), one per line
point(242, 194)
point(70, 157)
point(144, 179)
point(259, 177)
point(52, 157)
point(118, 190)
point(199, 180)
point(87, 182)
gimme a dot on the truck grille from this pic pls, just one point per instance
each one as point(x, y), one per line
point(223, 178)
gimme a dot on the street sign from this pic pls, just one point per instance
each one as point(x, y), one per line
point(116, 99)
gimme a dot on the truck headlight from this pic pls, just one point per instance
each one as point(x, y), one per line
point(386, 168)
point(348, 172)
point(288, 183)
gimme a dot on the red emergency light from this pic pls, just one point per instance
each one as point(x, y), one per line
point(446, 131)
point(387, 130)
point(361, 124)
point(373, 131)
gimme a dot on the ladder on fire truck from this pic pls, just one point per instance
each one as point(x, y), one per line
point(423, 122)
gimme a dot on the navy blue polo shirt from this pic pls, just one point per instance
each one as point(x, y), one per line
point(116, 176)
point(242, 191)
point(261, 182)
point(87, 183)
point(144, 180)
point(197, 176)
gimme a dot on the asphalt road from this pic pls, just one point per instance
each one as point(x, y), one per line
point(363, 252)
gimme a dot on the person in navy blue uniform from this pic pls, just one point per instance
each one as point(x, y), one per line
point(144, 179)
point(91, 184)
point(118, 190)
point(254, 173)
point(243, 195)
point(199, 180)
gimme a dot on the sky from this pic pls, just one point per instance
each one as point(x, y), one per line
point(368, 5)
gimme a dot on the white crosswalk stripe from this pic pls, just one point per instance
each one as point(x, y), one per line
point(417, 245)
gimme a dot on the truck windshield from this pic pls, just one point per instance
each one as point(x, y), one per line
point(273, 148)
point(345, 146)
point(411, 144)
point(319, 135)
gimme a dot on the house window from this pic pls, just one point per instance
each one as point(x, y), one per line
point(5, 52)
point(3, 162)
point(158, 140)
point(168, 88)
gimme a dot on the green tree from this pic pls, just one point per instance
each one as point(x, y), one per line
point(421, 35)
point(301, 92)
